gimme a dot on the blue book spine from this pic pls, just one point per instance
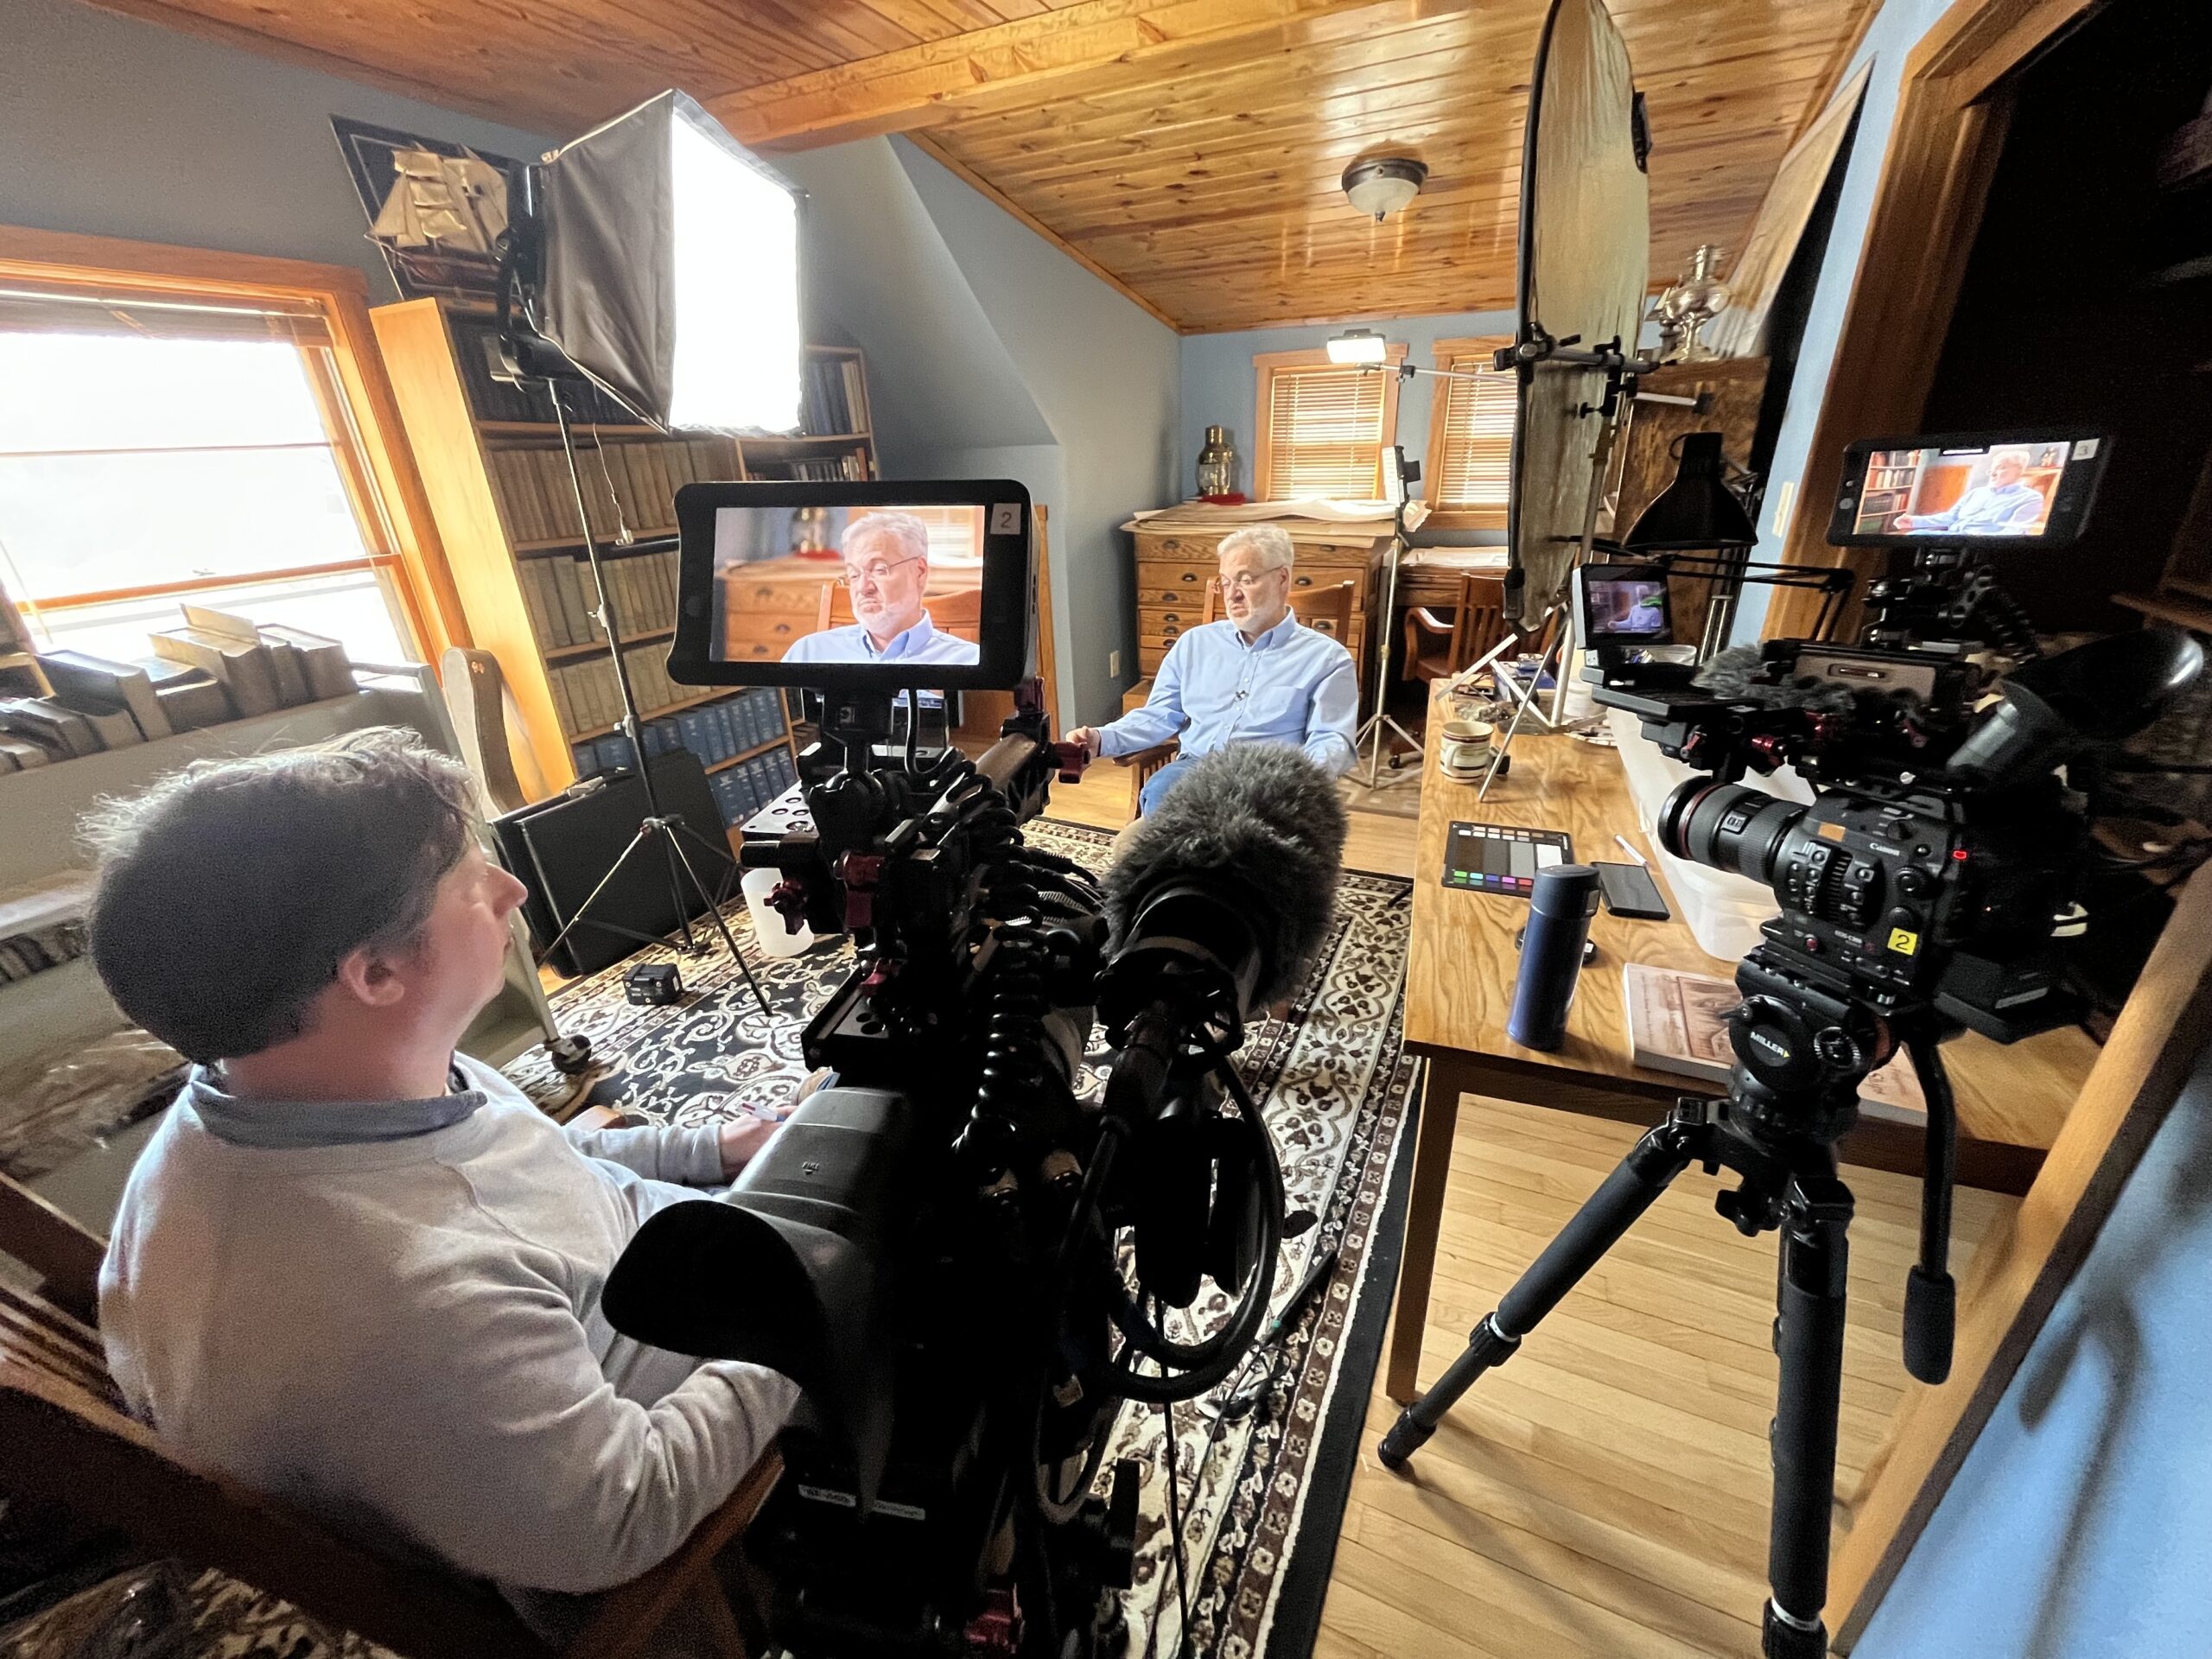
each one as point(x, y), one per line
point(613, 751)
point(725, 729)
point(691, 732)
point(586, 756)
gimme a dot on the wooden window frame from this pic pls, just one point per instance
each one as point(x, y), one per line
point(1443, 517)
point(1266, 364)
point(350, 387)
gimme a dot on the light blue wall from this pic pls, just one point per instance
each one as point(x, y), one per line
point(1892, 35)
point(1103, 372)
point(1218, 387)
point(2081, 1524)
point(113, 127)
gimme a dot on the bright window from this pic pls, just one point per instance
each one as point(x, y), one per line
point(1471, 438)
point(1322, 426)
point(150, 454)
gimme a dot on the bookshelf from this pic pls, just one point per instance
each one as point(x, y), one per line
point(492, 466)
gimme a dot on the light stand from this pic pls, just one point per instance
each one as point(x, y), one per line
point(1371, 734)
point(669, 832)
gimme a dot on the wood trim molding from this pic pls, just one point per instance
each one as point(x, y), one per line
point(1264, 364)
point(991, 193)
point(340, 296)
point(2016, 1277)
point(1944, 146)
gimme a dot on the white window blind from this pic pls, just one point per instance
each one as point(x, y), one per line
point(1325, 433)
point(1473, 446)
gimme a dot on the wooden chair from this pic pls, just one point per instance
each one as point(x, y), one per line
point(1328, 609)
point(70, 1444)
point(1436, 649)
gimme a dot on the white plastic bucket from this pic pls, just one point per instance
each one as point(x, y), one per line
point(768, 924)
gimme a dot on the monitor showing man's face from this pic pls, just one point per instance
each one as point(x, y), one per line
point(846, 584)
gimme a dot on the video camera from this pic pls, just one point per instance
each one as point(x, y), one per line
point(1929, 885)
point(960, 1248)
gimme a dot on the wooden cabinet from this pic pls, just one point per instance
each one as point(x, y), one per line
point(1175, 562)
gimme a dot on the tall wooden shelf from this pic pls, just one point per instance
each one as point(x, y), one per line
point(457, 445)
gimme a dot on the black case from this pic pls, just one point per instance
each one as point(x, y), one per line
point(1630, 890)
point(561, 848)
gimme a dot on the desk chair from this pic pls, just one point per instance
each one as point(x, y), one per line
point(1327, 609)
point(1436, 649)
point(70, 1444)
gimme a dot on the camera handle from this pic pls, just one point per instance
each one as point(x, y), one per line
point(1931, 1295)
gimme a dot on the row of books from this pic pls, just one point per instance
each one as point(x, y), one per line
point(585, 695)
point(834, 399)
point(539, 501)
point(217, 668)
point(476, 347)
point(43, 925)
point(557, 593)
point(850, 464)
point(713, 731)
point(742, 789)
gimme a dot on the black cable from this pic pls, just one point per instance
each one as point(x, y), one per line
point(1175, 1527)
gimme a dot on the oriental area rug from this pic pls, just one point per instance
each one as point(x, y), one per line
point(1262, 1492)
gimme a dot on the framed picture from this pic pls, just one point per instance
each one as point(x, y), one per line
point(433, 206)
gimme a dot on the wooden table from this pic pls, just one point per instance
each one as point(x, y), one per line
point(1459, 987)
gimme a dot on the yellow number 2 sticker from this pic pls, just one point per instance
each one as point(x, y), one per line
point(1903, 941)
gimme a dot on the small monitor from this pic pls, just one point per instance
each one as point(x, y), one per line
point(1624, 604)
point(1976, 489)
point(861, 587)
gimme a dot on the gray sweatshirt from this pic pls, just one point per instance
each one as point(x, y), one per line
point(403, 1335)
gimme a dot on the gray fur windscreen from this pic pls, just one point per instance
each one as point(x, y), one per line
point(1260, 823)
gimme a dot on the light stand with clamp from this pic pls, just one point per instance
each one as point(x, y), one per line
point(529, 355)
point(1397, 472)
point(1776, 1128)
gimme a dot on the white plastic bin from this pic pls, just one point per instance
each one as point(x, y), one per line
point(768, 923)
point(1723, 912)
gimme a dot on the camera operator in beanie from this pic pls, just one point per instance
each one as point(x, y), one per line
point(356, 1269)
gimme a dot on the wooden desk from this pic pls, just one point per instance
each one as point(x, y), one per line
point(1459, 987)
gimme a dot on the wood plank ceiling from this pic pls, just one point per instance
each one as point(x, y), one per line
point(1188, 150)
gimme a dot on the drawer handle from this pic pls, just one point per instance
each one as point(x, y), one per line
point(1187, 577)
point(1303, 582)
point(1169, 633)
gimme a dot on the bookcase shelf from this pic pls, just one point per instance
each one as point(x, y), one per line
point(497, 486)
point(598, 647)
point(740, 759)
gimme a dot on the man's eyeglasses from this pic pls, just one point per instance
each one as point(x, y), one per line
point(1245, 583)
point(876, 572)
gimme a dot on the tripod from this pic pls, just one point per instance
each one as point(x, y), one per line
point(656, 828)
point(1782, 1142)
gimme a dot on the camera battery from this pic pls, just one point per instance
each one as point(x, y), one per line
point(656, 984)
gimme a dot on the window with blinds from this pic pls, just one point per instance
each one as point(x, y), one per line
point(1323, 427)
point(153, 451)
point(1471, 437)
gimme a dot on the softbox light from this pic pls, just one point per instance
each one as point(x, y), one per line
point(666, 269)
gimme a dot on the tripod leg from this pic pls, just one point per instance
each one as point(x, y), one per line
point(1632, 1188)
point(591, 899)
point(1815, 1257)
point(676, 848)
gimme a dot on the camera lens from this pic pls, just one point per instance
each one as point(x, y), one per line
point(1727, 826)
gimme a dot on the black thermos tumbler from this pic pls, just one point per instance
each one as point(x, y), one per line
point(1560, 908)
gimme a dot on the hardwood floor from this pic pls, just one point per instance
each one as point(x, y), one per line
point(1604, 1492)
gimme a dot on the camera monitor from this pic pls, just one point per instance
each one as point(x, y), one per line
point(859, 588)
point(1969, 489)
point(1623, 605)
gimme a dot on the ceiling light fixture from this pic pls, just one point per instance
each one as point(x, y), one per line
point(1384, 185)
point(1358, 346)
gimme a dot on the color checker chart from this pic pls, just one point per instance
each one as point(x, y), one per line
point(1495, 858)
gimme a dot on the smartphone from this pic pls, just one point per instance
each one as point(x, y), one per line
point(1630, 890)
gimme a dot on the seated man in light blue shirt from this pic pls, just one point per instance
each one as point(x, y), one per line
point(1260, 677)
point(2004, 506)
point(886, 572)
